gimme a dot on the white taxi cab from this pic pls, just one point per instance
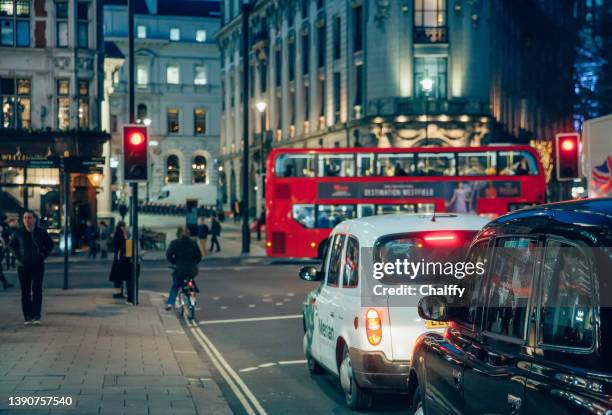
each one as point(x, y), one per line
point(369, 347)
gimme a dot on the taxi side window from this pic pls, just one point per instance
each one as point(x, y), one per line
point(350, 277)
point(510, 286)
point(335, 260)
point(566, 303)
point(469, 312)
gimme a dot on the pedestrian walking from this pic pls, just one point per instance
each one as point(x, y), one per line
point(203, 232)
point(91, 239)
point(31, 245)
point(10, 231)
point(215, 232)
point(4, 250)
point(121, 266)
point(236, 210)
point(104, 239)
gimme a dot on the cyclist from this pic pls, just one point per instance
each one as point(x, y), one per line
point(184, 253)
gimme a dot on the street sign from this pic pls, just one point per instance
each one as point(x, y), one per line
point(83, 164)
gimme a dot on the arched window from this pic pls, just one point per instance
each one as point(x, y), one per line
point(198, 169)
point(141, 112)
point(173, 169)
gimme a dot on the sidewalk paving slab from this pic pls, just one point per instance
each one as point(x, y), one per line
point(109, 357)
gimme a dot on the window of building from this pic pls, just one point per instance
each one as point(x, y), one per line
point(201, 75)
point(263, 76)
point(141, 31)
point(173, 169)
point(306, 103)
point(304, 8)
point(321, 46)
point(430, 68)
point(358, 28)
point(291, 61)
point(15, 23)
point(83, 25)
point(198, 169)
point(172, 74)
point(430, 21)
point(61, 25)
point(172, 116)
point(199, 121)
point(358, 103)
point(63, 104)
point(175, 34)
point(142, 75)
point(83, 104)
point(305, 54)
point(15, 97)
point(337, 33)
point(114, 123)
point(322, 100)
point(290, 16)
point(337, 97)
point(278, 67)
point(201, 35)
point(320, 4)
point(141, 113)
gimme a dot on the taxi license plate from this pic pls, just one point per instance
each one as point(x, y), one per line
point(435, 324)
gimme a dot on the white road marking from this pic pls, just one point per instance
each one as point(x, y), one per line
point(240, 389)
point(287, 300)
point(291, 362)
point(216, 298)
point(175, 332)
point(185, 351)
point(248, 369)
point(251, 305)
point(267, 364)
point(266, 295)
point(267, 300)
point(278, 304)
point(245, 320)
point(241, 296)
point(290, 295)
point(223, 307)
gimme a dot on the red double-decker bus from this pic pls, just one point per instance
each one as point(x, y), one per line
point(309, 191)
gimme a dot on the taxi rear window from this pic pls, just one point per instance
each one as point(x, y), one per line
point(432, 247)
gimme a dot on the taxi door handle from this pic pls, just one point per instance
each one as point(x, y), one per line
point(332, 315)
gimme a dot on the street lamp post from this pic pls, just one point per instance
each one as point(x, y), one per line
point(427, 86)
point(261, 107)
point(246, 234)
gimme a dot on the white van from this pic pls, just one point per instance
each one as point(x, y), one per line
point(367, 347)
point(180, 194)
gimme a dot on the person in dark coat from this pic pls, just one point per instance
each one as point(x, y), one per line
point(184, 253)
point(91, 238)
point(121, 265)
point(215, 231)
point(31, 245)
point(4, 249)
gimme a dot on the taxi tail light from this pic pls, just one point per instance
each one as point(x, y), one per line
point(373, 327)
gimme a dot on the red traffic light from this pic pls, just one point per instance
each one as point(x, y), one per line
point(567, 156)
point(568, 144)
point(137, 138)
point(135, 152)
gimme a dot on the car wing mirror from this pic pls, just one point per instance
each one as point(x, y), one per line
point(433, 307)
point(310, 273)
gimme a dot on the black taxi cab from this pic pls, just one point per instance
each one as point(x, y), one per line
point(534, 335)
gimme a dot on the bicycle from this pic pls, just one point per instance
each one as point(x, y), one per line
point(186, 298)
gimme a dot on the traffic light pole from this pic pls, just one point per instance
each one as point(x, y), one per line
point(134, 201)
point(246, 234)
point(66, 224)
